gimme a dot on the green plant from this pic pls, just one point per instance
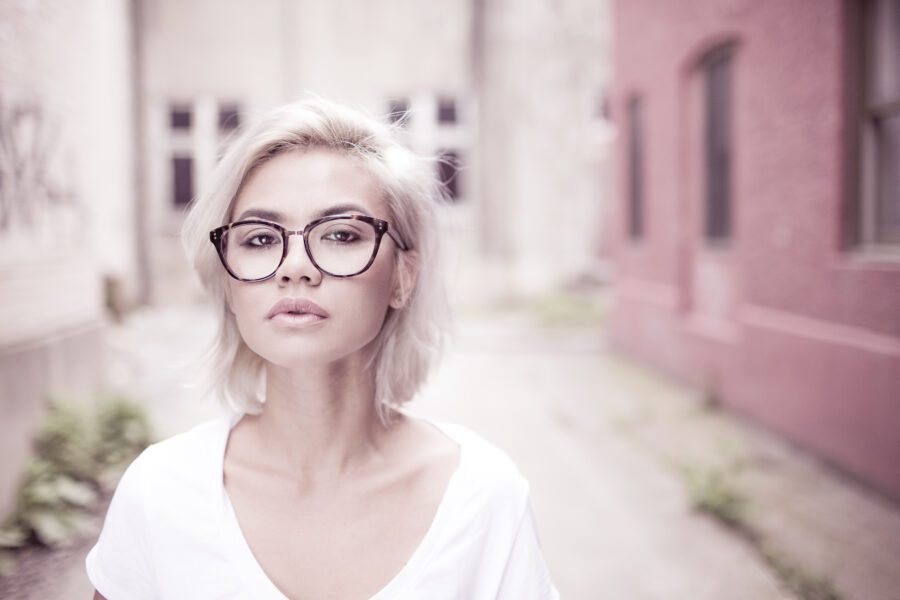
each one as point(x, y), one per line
point(565, 309)
point(65, 441)
point(712, 490)
point(51, 503)
point(805, 585)
point(122, 431)
point(75, 451)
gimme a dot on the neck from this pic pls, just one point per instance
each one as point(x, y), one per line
point(319, 424)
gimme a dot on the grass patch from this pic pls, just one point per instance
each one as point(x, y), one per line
point(561, 309)
point(803, 584)
point(713, 490)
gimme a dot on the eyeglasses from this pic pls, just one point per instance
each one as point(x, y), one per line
point(338, 245)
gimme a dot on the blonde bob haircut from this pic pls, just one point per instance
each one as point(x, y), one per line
point(412, 337)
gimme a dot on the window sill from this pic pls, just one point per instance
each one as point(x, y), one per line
point(871, 257)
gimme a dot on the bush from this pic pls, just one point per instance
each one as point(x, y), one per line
point(76, 451)
point(122, 432)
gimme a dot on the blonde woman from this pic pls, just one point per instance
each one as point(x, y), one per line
point(317, 239)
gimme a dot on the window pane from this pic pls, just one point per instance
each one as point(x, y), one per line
point(180, 117)
point(718, 147)
point(398, 111)
point(229, 117)
point(449, 172)
point(888, 186)
point(635, 169)
point(183, 180)
point(446, 111)
point(884, 63)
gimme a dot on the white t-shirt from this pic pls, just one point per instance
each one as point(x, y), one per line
point(171, 532)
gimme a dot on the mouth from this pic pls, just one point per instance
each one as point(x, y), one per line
point(296, 310)
point(295, 319)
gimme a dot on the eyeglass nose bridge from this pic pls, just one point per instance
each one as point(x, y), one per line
point(286, 234)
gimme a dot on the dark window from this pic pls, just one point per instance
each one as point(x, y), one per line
point(601, 107)
point(877, 47)
point(717, 144)
point(183, 180)
point(448, 171)
point(635, 169)
point(446, 114)
point(398, 111)
point(229, 117)
point(180, 117)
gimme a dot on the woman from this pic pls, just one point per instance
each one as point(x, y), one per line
point(317, 239)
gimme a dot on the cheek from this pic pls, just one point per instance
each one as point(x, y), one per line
point(369, 299)
point(244, 305)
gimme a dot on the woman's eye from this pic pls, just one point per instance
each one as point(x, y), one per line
point(260, 240)
point(342, 236)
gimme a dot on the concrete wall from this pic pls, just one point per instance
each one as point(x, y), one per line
point(66, 216)
point(527, 78)
point(256, 55)
point(787, 323)
point(542, 71)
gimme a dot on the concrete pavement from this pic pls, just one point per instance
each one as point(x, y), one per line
point(597, 437)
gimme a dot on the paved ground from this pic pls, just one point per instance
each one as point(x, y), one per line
point(601, 441)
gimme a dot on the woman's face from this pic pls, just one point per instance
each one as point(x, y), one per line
point(293, 189)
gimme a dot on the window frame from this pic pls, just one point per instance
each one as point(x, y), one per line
point(862, 229)
point(636, 124)
point(718, 144)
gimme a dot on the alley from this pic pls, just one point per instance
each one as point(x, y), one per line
point(615, 518)
point(614, 523)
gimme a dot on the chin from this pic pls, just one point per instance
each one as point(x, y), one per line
point(296, 356)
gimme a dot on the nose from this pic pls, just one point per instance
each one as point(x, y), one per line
point(297, 265)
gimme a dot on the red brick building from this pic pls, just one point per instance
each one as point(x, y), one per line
point(756, 230)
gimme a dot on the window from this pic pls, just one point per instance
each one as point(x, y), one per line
point(877, 50)
point(180, 117)
point(229, 117)
point(717, 143)
point(635, 169)
point(183, 180)
point(601, 106)
point(446, 111)
point(398, 111)
point(448, 172)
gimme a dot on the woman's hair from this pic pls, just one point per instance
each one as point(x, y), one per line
point(411, 338)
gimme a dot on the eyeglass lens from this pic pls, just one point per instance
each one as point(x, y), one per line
point(339, 247)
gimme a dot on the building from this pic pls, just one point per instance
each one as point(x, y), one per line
point(67, 212)
point(112, 114)
point(756, 234)
point(510, 94)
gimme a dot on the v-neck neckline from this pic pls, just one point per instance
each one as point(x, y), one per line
point(255, 577)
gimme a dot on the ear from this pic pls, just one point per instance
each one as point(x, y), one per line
point(405, 276)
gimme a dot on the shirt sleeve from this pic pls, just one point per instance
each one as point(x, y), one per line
point(526, 576)
point(118, 565)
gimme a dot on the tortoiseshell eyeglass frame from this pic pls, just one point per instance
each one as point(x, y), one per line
point(381, 227)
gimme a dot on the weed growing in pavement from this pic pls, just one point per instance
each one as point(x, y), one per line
point(804, 585)
point(78, 454)
point(562, 309)
point(713, 491)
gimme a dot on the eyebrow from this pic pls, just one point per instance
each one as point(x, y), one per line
point(272, 215)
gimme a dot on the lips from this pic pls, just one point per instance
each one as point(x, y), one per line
point(296, 306)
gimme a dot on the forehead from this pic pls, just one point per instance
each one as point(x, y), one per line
point(301, 185)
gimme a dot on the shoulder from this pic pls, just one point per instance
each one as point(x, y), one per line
point(486, 471)
point(181, 463)
point(164, 508)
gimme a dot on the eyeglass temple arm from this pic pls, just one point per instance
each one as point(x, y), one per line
point(397, 240)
